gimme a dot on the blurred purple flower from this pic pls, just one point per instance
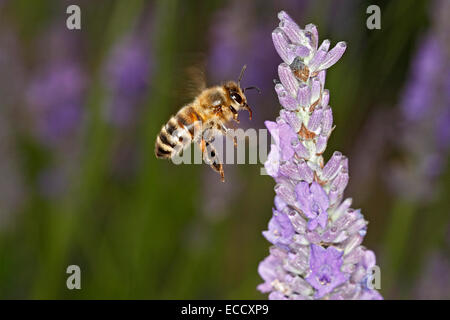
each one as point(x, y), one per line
point(55, 94)
point(55, 98)
point(55, 106)
point(435, 279)
point(225, 45)
point(317, 252)
point(419, 92)
point(128, 74)
point(443, 129)
point(425, 110)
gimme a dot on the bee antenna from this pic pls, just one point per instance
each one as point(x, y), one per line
point(241, 75)
point(253, 87)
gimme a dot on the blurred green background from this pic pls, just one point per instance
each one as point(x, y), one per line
point(80, 110)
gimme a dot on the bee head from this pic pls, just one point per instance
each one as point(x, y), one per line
point(237, 96)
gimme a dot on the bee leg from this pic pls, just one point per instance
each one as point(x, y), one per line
point(228, 133)
point(219, 168)
point(210, 157)
point(247, 107)
point(203, 145)
point(235, 141)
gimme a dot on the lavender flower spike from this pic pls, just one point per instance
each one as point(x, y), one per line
point(316, 236)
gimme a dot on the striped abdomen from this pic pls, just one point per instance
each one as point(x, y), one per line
point(174, 136)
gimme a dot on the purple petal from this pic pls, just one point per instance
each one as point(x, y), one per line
point(317, 60)
point(325, 266)
point(273, 130)
point(340, 182)
point(304, 95)
point(322, 219)
point(303, 197)
point(290, 28)
point(370, 295)
point(327, 121)
point(301, 51)
point(286, 228)
point(317, 257)
point(358, 226)
point(275, 295)
point(325, 98)
point(286, 100)
point(369, 259)
point(325, 45)
point(298, 223)
point(332, 167)
point(280, 230)
point(280, 205)
point(311, 28)
point(298, 285)
point(286, 193)
point(288, 79)
point(315, 91)
point(290, 170)
point(300, 150)
point(334, 257)
point(342, 208)
point(319, 196)
point(315, 120)
point(282, 46)
point(352, 243)
point(313, 236)
point(313, 223)
point(334, 55)
point(321, 76)
point(346, 219)
point(288, 138)
point(282, 15)
point(321, 144)
point(305, 172)
point(292, 119)
point(266, 268)
point(272, 164)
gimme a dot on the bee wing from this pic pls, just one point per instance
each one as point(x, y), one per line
point(196, 80)
point(193, 80)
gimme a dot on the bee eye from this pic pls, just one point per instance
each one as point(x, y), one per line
point(233, 109)
point(236, 97)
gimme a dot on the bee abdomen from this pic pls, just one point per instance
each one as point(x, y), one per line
point(162, 153)
point(186, 119)
point(166, 142)
point(169, 141)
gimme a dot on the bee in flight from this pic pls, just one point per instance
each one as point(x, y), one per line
point(213, 109)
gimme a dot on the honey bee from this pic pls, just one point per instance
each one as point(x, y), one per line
point(213, 108)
